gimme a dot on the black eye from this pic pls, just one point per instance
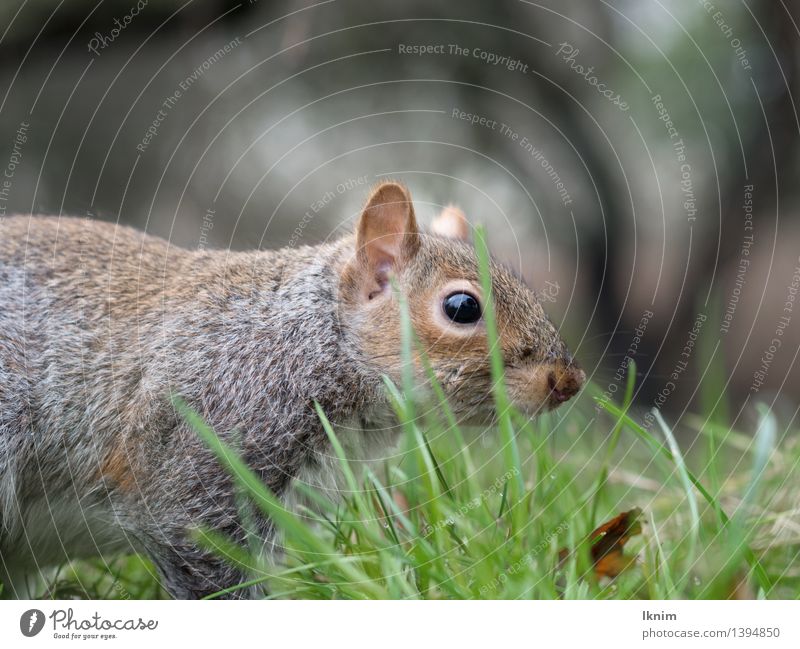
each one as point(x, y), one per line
point(462, 308)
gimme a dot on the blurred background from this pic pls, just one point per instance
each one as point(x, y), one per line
point(635, 160)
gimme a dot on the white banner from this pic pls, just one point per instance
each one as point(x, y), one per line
point(401, 625)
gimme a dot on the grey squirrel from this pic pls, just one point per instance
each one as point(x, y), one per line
point(101, 324)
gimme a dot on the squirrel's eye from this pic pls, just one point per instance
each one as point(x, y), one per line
point(462, 308)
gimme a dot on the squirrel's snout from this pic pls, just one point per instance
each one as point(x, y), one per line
point(544, 386)
point(564, 383)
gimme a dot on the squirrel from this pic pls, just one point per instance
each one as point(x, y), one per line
point(101, 325)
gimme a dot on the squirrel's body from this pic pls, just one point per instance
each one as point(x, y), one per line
point(251, 354)
point(101, 325)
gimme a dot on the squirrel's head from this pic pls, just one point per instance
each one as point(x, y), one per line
point(437, 272)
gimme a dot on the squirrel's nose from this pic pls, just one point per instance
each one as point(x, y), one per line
point(564, 384)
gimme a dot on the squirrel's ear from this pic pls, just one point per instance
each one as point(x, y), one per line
point(387, 236)
point(451, 223)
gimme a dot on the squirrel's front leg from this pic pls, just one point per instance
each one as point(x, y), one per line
point(189, 572)
point(165, 488)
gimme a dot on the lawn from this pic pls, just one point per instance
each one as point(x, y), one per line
point(454, 515)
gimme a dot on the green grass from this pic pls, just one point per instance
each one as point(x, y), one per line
point(466, 513)
point(439, 522)
point(443, 523)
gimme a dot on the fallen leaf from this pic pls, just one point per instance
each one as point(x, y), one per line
point(608, 542)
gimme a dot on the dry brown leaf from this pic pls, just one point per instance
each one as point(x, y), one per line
point(608, 542)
